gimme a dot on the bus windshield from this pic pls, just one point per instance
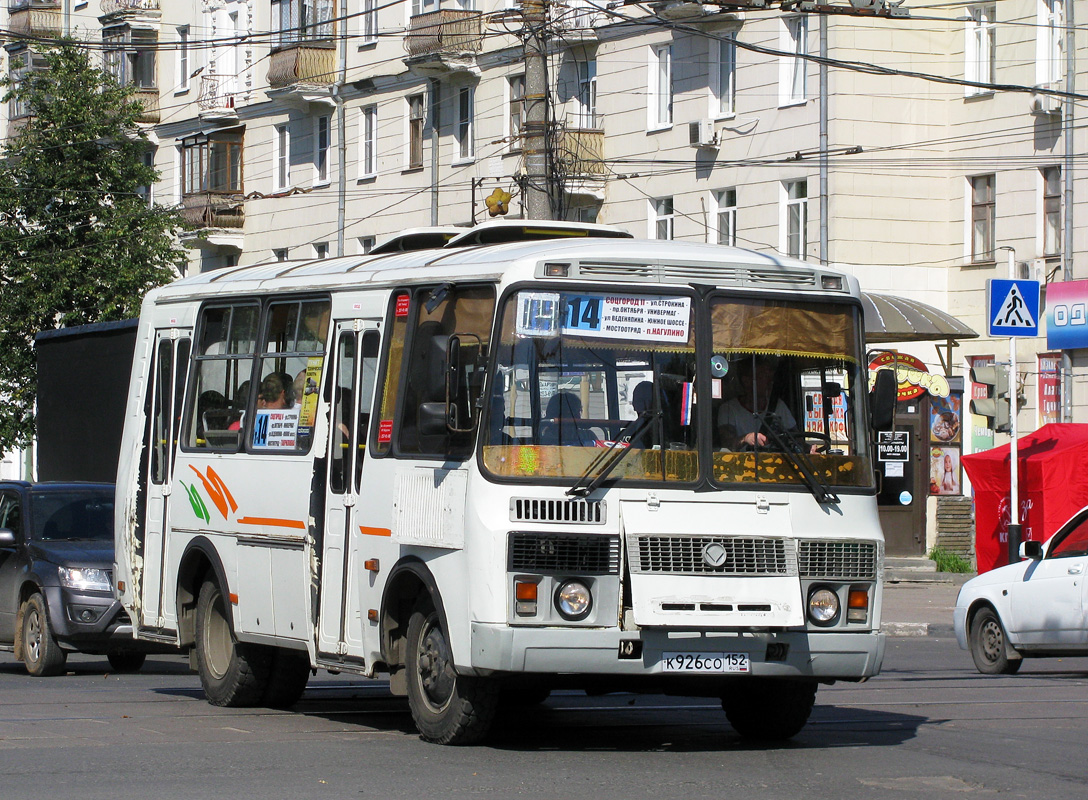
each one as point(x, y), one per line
point(592, 384)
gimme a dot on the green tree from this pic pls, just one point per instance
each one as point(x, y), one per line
point(79, 242)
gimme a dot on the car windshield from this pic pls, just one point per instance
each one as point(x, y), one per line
point(72, 515)
point(778, 401)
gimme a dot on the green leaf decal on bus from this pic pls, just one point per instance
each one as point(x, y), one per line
point(197, 502)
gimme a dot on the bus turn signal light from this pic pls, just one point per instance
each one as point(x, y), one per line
point(371, 564)
point(858, 604)
point(525, 597)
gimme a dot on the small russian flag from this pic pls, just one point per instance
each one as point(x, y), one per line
point(687, 398)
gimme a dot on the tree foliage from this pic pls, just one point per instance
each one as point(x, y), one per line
point(79, 242)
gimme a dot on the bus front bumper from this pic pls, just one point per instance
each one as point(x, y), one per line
point(597, 651)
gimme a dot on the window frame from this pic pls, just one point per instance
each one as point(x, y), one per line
point(661, 93)
point(465, 128)
point(415, 118)
point(795, 239)
point(727, 210)
point(182, 59)
point(1051, 210)
point(281, 156)
point(586, 99)
point(723, 75)
point(793, 68)
point(663, 213)
point(515, 111)
point(322, 148)
point(1050, 42)
point(980, 61)
point(982, 210)
point(368, 141)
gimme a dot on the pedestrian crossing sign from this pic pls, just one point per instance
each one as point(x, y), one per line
point(1014, 307)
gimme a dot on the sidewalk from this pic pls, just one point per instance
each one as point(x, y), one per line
point(919, 602)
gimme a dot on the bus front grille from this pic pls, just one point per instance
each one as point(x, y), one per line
point(848, 560)
point(711, 555)
point(564, 553)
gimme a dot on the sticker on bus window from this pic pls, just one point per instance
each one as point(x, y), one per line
point(401, 308)
point(385, 431)
point(538, 313)
point(276, 428)
point(655, 318)
point(308, 394)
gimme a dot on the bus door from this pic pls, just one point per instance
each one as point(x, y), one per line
point(166, 390)
point(340, 624)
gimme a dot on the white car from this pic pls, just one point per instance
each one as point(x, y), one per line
point(1035, 607)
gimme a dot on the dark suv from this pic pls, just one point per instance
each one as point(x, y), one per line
point(56, 576)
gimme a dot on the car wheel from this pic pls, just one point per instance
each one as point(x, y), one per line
point(989, 645)
point(126, 660)
point(41, 653)
point(232, 674)
point(769, 710)
point(447, 708)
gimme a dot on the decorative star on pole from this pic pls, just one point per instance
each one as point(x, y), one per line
point(498, 202)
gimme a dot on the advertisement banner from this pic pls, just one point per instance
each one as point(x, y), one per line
point(1050, 388)
point(1066, 320)
point(982, 438)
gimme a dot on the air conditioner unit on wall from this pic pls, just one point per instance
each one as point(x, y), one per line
point(1045, 104)
point(701, 133)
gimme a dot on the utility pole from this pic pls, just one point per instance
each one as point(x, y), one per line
point(537, 193)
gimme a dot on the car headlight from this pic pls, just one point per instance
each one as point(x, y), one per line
point(85, 579)
point(573, 600)
point(823, 607)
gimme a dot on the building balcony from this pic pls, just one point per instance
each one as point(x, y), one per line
point(216, 100)
point(204, 210)
point(129, 8)
point(303, 64)
point(34, 18)
point(149, 99)
point(580, 152)
point(443, 42)
point(577, 20)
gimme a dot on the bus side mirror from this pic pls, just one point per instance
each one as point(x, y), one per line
point(460, 383)
point(882, 400)
point(432, 419)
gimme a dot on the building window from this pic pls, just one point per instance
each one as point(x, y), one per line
point(796, 218)
point(130, 57)
point(20, 65)
point(725, 217)
point(587, 94)
point(793, 66)
point(982, 218)
point(515, 110)
point(979, 48)
point(281, 158)
point(211, 163)
point(148, 192)
point(415, 131)
point(662, 218)
point(369, 22)
point(322, 149)
point(465, 111)
point(1050, 59)
point(368, 161)
point(723, 73)
point(366, 244)
point(661, 87)
point(1052, 210)
point(301, 20)
point(280, 254)
point(321, 249)
point(182, 63)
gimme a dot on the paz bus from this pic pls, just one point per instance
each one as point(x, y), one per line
point(511, 461)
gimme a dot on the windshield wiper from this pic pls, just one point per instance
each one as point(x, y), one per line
point(631, 430)
point(796, 455)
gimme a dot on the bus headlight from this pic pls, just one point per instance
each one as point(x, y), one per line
point(823, 607)
point(573, 600)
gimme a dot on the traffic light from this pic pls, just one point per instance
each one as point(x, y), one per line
point(996, 405)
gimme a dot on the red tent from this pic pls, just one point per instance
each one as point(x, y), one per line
point(1053, 479)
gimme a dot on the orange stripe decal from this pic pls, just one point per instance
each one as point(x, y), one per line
point(213, 491)
point(213, 476)
point(363, 529)
point(273, 522)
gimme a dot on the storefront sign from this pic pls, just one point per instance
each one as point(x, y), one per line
point(913, 376)
point(1050, 388)
point(1066, 317)
point(893, 446)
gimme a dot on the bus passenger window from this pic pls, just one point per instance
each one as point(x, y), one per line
point(223, 364)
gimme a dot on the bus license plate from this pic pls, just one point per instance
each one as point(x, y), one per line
point(705, 662)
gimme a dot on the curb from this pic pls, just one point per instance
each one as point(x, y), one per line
point(904, 629)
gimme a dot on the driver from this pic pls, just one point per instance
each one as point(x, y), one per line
point(738, 422)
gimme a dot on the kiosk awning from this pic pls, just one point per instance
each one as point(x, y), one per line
point(897, 319)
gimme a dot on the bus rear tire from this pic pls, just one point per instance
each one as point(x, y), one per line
point(769, 710)
point(232, 674)
point(447, 708)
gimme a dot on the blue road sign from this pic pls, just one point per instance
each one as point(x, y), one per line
point(1013, 306)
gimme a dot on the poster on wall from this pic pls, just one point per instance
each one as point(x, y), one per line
point(1050, 388)
point(982, 438)
point(944, 471)
point(945, 415)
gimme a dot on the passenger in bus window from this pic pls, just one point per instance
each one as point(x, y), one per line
point(740, 418)
point(561, 423)
point(277, 391)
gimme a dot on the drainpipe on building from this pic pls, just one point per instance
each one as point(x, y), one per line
point(341, 142)
point(435, 88)
point(825, 200)
point(1067, 224)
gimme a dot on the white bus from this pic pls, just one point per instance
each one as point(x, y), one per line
point(491, 470)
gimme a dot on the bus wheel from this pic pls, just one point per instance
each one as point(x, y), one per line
point(288, 678)
point(126, 660)
point(769, 710)
point(447, 708)
point(232, 674)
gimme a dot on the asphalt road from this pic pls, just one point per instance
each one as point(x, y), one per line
point(928, 726)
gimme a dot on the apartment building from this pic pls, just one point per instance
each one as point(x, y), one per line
point(906, 149)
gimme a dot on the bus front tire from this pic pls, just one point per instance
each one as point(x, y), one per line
point(447, 708)
point(232, 673)
point(126, 660)
point(769, 710)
